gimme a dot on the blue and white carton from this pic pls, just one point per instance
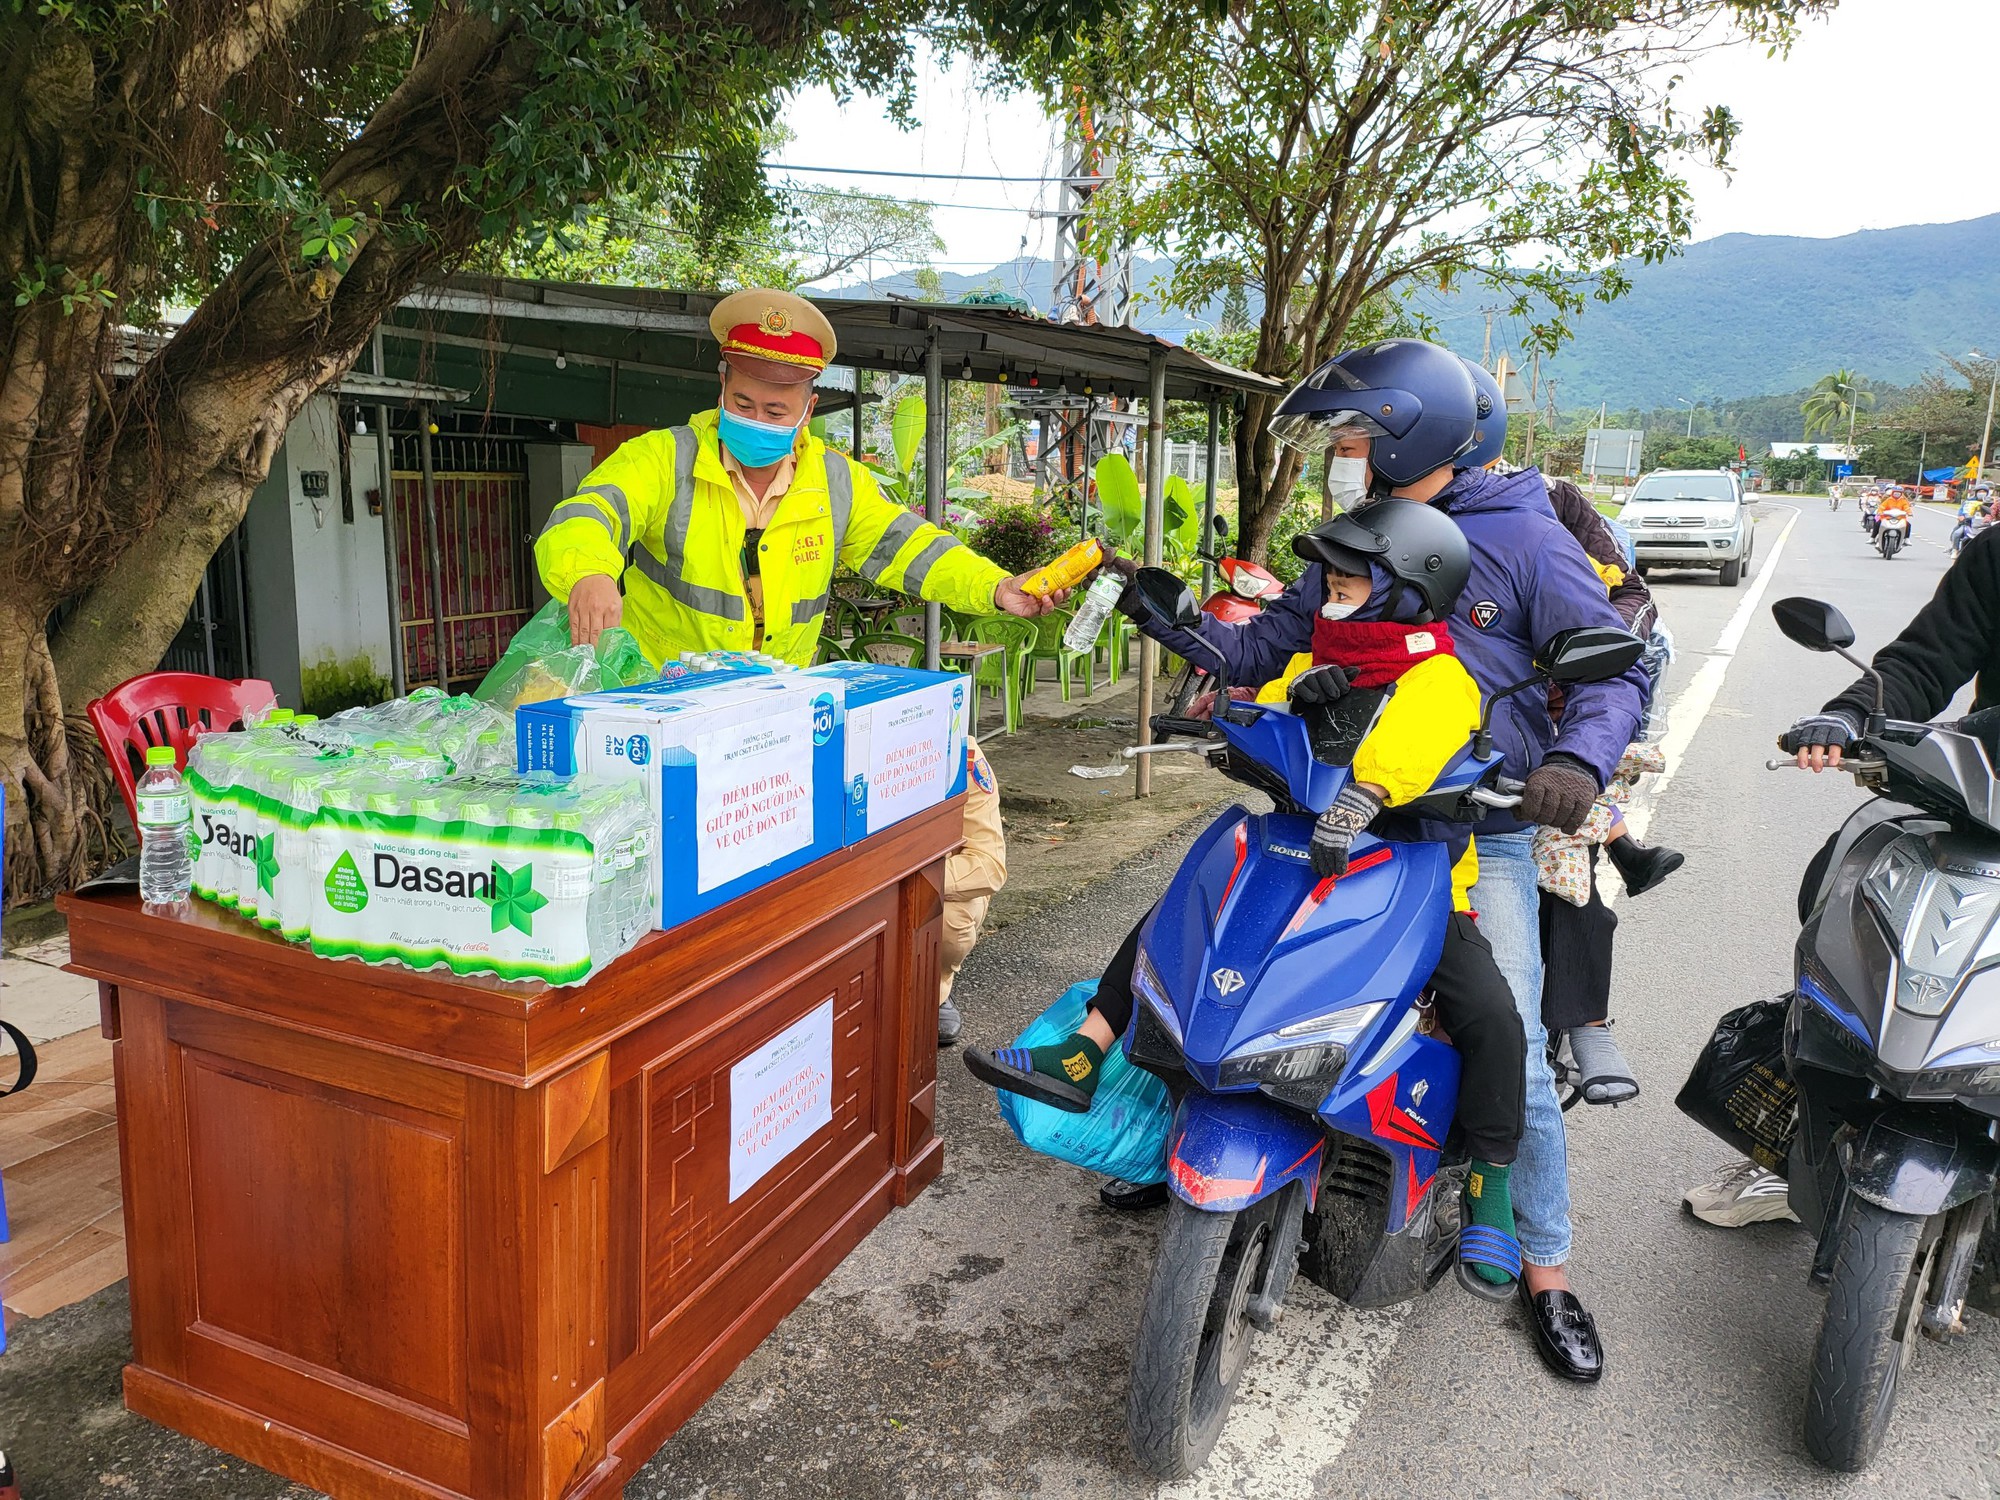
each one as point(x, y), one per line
point(904, 737)
point(745, 777)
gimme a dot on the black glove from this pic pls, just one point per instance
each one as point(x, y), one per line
point(1319, 686)
point(1822, 731)
point(1559, 792)
point(1352, 811)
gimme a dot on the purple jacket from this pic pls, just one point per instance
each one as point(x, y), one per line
point(1530, 579)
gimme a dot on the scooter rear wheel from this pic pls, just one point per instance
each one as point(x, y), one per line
point(1195, 1331)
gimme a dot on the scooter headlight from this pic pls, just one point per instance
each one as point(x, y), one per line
point(1302, 1072)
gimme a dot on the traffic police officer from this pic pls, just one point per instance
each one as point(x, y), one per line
point(733, 522)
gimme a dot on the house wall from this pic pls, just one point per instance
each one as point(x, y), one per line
point(555, 470)
point(318, 594)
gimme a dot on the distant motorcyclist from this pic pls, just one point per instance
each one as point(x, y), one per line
point(1953, 640)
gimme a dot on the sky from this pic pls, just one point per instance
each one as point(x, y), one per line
point(1862, 127)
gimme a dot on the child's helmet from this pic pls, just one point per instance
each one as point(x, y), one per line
point(1489, 437)
point(1421, 548)
point(1415, 400)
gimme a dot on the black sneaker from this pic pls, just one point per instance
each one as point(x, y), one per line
point(1642, 866)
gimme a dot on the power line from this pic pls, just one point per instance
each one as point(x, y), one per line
point(984, 208)
point(786, 166)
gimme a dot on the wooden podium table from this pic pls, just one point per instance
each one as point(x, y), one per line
point(400, 1234)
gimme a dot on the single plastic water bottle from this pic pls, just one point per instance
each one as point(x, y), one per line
point(166, 865)
point(1093, 612)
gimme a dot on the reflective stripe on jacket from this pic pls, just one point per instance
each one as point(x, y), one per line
point(665, 500)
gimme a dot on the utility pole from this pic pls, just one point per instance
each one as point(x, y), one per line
point(1986, 437)
point(1486, 352)
point(1534, 405)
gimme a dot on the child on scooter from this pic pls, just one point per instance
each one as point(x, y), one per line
point(1391, 572)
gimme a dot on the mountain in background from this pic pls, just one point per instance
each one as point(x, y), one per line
point(1739, 315)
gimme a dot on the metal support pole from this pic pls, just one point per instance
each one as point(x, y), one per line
point(1155, 529)
point(433, 529)
point(392, 569)
point(1208, 501)
point(936, 426)
point(1985, 437)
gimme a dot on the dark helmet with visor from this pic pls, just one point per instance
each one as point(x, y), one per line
point(1415, 400)
point(1489, 437)
point(1421, 549)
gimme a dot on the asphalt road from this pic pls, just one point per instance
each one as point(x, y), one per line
point(977, 1344)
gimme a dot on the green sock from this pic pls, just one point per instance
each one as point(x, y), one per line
point(1489, 1201)
point(1077, 1061)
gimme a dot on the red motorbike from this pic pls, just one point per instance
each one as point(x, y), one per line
point(1245, 587)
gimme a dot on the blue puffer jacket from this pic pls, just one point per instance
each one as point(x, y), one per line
point(1530, 579)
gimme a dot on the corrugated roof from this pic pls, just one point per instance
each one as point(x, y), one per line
point(995, 345)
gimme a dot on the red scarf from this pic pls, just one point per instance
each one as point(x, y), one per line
point(1374, 653)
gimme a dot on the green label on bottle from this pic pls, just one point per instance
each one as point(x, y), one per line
point(267, 864)
point(345, 889)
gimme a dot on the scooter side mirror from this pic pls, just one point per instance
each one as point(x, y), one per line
point(1220, 526)
point(1589, 653)
point(1168, 597)
point(1814, 624)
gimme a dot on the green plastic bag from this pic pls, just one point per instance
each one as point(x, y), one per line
point(540, 663)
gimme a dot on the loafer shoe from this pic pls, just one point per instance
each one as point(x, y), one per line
point(1565, 1335)
point(1128, 1197)
point(950, 1024)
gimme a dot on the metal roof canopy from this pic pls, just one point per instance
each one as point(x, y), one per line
point(942, 341)
point(978, 343)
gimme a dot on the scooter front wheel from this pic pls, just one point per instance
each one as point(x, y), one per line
point(1196, 1329)
point(1881, 1277)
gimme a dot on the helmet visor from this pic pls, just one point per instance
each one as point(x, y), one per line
point(1313, 432)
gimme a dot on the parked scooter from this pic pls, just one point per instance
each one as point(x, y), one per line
point(1288, 1016)
point(1890, 1042)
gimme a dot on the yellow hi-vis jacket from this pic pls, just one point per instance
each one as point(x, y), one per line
point(665, 500)
point(1429, 715)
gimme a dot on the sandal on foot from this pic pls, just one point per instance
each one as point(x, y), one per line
point(1012, 1069)
point(1483, 1245)
point(1602, 1074)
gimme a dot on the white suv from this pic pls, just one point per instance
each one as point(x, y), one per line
point(1690, 518)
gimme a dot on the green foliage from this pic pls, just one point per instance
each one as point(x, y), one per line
point(1018, 535)
point(1806, 468)
point(1301, 513)
point(1835, 402)
point(907, 432)
point(333, 684)
point(1678, 452)
point(1121, 505)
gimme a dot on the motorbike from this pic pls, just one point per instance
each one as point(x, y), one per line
point(1868, 507)
point(1287, 1014)
point(1833, 499)
point(1245, 587)
point(1968, 527)
point(1892, 532)
point(1892, 1040)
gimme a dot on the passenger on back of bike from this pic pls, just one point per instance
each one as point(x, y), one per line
point(1390, 573)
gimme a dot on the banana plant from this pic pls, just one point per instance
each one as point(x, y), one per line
point(1123, 514)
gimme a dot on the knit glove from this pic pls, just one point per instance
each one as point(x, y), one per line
point(1559, 792)
point(1318, 686)
point(1828, 730)
point(1352, 811)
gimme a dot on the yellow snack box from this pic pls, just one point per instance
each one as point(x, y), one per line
point(1068, 570)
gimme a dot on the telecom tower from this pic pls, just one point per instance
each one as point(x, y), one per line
point(1077, 427)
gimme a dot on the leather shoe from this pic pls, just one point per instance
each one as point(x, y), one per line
point(1565, 1335)
point(950, 1024)
point(1128, 1197)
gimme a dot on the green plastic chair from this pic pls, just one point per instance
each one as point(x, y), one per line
point(843, 620)
point(1019, 637)
point(1049, 646)
point(889, 648)
point(1115, 641)
point(828, 650)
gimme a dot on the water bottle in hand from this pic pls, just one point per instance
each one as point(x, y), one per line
point(1093, 612)
point(166, 865)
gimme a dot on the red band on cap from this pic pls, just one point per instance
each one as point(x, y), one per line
point(791, 347)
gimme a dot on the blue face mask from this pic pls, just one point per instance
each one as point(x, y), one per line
point(754, 443)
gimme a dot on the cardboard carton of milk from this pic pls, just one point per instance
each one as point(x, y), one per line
point(905, 740)
point(743, 777)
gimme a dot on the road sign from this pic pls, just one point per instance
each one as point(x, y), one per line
point(1843, 471)
point(1613, 450)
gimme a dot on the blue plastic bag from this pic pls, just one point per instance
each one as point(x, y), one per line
point(1125, 1133)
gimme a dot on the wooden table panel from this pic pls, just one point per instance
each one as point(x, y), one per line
point(401, 1235)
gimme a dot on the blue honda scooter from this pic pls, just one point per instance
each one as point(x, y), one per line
point(1288, 1015)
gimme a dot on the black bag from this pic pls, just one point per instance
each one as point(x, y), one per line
point(1740, 1089)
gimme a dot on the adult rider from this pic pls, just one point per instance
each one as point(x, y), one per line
point(1418, 407)
point(1953, 640)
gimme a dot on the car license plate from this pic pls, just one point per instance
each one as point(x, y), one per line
point(1664, 536)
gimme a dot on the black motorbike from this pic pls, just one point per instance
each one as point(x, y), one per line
point(1893, 1043)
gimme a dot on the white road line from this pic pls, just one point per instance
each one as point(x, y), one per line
point(1686, 713)
point(1309, 1379)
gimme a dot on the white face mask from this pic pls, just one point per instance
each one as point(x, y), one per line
point(1333, 609)
point(1347, 481)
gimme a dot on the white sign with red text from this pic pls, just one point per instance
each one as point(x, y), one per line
point(753, 794)
point(778, 1096)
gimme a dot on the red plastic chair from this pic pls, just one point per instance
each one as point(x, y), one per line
point(168, 708)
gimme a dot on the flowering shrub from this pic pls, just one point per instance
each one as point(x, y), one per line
point(1016, 535)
